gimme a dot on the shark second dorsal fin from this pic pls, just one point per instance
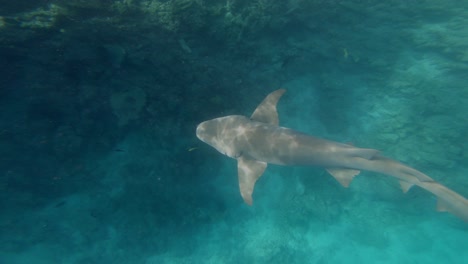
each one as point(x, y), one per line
point(249, 171)
point(266, 110)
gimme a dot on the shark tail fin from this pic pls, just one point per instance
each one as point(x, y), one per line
point(442, 206)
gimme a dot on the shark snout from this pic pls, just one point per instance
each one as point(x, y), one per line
point(203, 131)
point(200, 130)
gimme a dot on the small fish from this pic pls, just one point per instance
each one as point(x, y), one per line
point(192, 149)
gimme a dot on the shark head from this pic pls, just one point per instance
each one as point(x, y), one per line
point(233, 136)
point(223, 133)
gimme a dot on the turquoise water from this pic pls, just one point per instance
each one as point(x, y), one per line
point(99, 103)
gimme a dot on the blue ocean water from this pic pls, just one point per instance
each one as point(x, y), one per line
point(99, 101)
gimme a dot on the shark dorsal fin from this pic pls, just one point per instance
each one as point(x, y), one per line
point(266, 110)
point(249, 171)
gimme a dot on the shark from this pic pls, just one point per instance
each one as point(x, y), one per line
point(258, 141)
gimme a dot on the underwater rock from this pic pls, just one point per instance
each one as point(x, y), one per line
point(127, 105)
point(66, 142)
point(40, 18)
point(115, 54)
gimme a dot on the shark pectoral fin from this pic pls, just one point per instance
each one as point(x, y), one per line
point(343, 176)
point(405, 186)
point(266, 110)
point(249, 171)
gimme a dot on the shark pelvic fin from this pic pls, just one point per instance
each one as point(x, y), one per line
point(343, 176)
point(249, 171)
point(405, 186)
point(266, 110)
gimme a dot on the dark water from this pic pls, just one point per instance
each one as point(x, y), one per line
point(99, 100)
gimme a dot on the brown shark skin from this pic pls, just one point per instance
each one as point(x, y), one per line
point(240, 137)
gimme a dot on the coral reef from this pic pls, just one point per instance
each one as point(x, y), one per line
point(99, 100)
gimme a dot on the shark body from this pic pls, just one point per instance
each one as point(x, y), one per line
point(259, 140)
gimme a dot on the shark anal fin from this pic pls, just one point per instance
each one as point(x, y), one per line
point(249, 171)
point(266, 110)
point(343, 176)
point(405, 186)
